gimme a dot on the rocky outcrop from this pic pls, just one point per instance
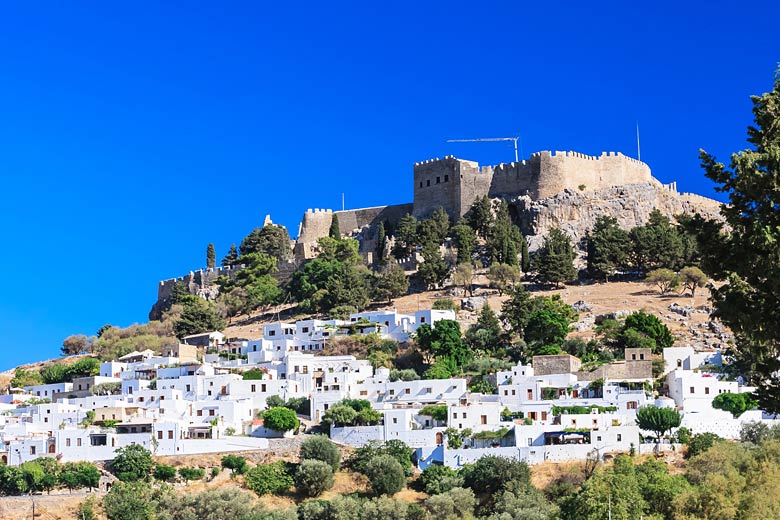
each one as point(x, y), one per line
point(575, 212)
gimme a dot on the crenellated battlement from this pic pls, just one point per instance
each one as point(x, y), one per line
point(454, 183)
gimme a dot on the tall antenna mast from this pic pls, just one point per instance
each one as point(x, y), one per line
point(638, 150)
point(488, 140)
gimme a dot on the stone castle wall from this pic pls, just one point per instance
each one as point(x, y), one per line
point(455, 184)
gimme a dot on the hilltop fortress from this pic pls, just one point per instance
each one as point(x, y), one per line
point(566, 190)
point(546, 180)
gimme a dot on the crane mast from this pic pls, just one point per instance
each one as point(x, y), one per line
point(489, 140)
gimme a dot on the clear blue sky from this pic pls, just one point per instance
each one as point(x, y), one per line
point(133, 134)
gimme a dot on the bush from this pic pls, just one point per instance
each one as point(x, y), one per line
point(164, 472)
point(700, 443)
point(456, 503)
point(129, 501)
point(273, 478)
point(192, 473)
point(406, 374)
point(313, 477)
point(321, 448)
point(437, 479)
point(444, 304)
point(132, 463)
point(737, 404)
point(234, 462)
point(280, 419)
point(491, 473)
point(214, 471)
point(385, 474)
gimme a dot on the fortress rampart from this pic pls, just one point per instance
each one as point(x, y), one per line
point(455, 184)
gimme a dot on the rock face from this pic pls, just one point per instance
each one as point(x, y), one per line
point(575, 212)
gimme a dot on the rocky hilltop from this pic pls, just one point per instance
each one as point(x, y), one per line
point(575, 212)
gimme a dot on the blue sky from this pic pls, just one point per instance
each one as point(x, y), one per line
point(133, 134)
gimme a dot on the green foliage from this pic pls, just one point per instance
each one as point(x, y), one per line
point(504, 237)
point(350, 412)
point(582, 410)
point(549, 322)
point(211, 504)
point(270, 240)
point(434, 270)
point(737, 404)
point(491, 474)
point(12, 481)
point(313, 477)
point(657, 244)
point(650, 326)
point(77, 344)
point(334, 231)
point(273, 478)
point(211, 256)
point(132, 463)
point(164, 472)
point(485, 335)
point(443, 341)
point(700, 443)
point(525, 257)
point(385, 474)
point(554, 262)
point(188, 474)
point(503, 276)
point(437, 479)
point(197, 316)
point(390, 282)
point(608, 248)
point(280, 419)
point(23, 377)
point(665, 279)
point(254, 374)
point(381, 239)
point(75, 475)
point(491, 435)
point(692, 278)
point(453, 504)
point(231, 258)
point(335, 278)
point(58, 373)
point(465, 241)
point(437, 413)
point(406, 374)
point(321, 448)
point(480, 385)
point(442, 369)
point(455, 437)
point(405, 237)
point(480, 216)
point(236, 463)
point(129, 501)
point(758, 432)
point(86, 509)
point(445, 304)
point(657, 420)
point(394, 448)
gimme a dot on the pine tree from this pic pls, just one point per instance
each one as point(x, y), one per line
point(525, 258)
point(335, 231)
point(504, 237)
point(465, 239)
point(608, 247)
point(380, 244)
point(211, 257)
point(750, 302)
point(555, 261)
point(480, 216)
point(231, 258)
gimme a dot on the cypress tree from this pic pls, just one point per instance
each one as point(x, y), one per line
point(231, 258)
point(380, 243)
point(334, 232)
point(211, 256)
point(525, 259)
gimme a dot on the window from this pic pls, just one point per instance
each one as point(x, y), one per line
point(170, 434)
point(392, 392)
point(188, 388)
point(421, 184)
point(598, 438)
point(200, 413)
point(364, 392)
point(446, 178)
point(544, 416)
point(422, 320)
point(211, 413)
point(506, 392)
point(272, 333)
point(428, 182)
point(641, 356)
point(707, 390)
point(619, 437)
point(254, 388)
point(679, 363)
point(632, 405)
point(395, 420)
point(530, 394)
point(633, 356)
point(407, 391)
point(530, 440)
point(693, 390)
point(455, 415)
point(32, 450)
point(67, 443)
point(464, 415)
point(78, 441)
point(159, 434)
point(513, 391)
point(305, 329)
point(262, 387)
point(438, 180)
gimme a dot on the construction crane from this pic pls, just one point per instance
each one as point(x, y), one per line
point(488, 140)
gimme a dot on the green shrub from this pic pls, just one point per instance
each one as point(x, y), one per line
point(700, 443)
point(445, 304)
point(192, 473)
point(492, 473)
point(132, 463)
point(164, 472)
point(234, 462)
point(437, 479)
point(280, 419)
point(215, 471)
point(273, 478)
point(438, 413)
point(129, 501)
point(385, 474)
point(321, 448)
point(455, 503)
point(313, 477)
